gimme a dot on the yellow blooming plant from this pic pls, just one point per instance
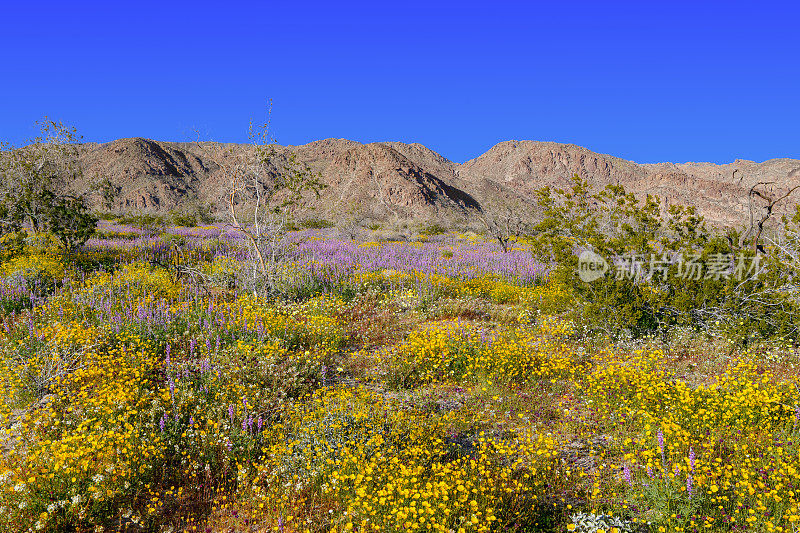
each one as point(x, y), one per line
point(134, 396)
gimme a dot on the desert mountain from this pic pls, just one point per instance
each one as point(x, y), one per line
point(394, 179)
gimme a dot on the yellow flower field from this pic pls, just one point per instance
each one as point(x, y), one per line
point(136, 399)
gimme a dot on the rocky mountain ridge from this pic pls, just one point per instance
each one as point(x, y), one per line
point(395, 179)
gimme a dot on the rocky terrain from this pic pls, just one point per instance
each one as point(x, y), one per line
point(395, 179)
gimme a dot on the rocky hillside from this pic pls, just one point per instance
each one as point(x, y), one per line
point(396, 179)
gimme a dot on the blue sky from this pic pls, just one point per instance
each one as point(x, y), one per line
point(671, 81)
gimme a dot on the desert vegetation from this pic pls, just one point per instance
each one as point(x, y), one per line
point(268, 372)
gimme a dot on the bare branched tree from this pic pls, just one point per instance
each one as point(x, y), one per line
point(506, 222)
point(264, 188)
point(769, 199)
point(351, 223)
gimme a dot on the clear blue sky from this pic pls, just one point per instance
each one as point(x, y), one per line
point(671, 81)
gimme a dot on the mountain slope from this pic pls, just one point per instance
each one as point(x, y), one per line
point(395, 179)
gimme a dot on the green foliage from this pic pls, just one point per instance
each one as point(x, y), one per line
point(316, 223)
point(70, 221)
point(12, 244)
point(660, 267)
point(37, 180)
point(432, 229)
point(108, 192)
point(151, 223)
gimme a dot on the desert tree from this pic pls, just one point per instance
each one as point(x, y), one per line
point(38, 186)
point(264, 188)
point(108, 193)
point(350, 224)
point(763, 197)
point(506, 221)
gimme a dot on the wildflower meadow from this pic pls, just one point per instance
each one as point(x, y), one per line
point(437, 384)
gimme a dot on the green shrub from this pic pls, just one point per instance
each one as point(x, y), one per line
point(149, 222)
point(316, 223)
point(433, 229)
point(676, 271)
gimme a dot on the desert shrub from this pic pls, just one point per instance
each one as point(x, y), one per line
point(664, 269)
point(12, 244)
point(188, 220)
point(196, 215)
point(36, 191)
point(39, 272)
point(316, 223)
point(432, 229)
point(123, 235)
point(151, 223)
